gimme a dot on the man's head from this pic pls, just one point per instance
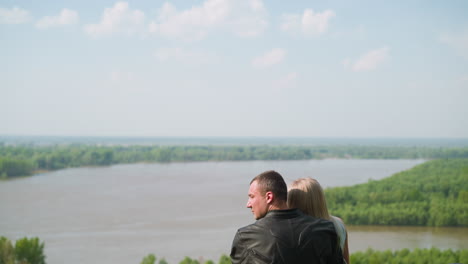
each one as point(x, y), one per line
point(267, 191)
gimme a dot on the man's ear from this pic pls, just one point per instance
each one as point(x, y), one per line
point(269, 197)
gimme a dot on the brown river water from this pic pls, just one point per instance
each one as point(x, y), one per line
point(121, 213)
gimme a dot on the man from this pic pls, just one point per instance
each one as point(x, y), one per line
point(282, 235)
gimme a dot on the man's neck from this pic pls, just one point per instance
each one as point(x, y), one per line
point(278, 206)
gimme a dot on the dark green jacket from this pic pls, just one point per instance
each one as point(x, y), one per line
point(286, 237)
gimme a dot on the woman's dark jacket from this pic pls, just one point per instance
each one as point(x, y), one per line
point(286, 237)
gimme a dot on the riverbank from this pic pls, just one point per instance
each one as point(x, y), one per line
point(22, 160)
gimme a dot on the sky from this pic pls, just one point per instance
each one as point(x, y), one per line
point(234, 68)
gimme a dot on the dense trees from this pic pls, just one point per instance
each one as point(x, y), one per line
point(151, 259)
point(25, 251)
point(10, 167)
point(7, 251)
point(23, 160)
point(417, 256)
point(432, 194)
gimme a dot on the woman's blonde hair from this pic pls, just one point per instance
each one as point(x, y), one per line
point(307, 195)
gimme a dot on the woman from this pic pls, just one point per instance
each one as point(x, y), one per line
point(307, 195)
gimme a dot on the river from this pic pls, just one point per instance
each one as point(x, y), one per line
point(121, 213)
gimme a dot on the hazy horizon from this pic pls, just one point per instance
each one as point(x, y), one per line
point(304, 141)
point(234, 68)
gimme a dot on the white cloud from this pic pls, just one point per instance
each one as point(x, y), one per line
point(369, 61)
point(183, 55)
point(244, 17)
point(256, 5)
point(118, 19)
point(249, 19)
point(287, 81)
point(459, 42)
point(66, 17)
point(192, 24)
point(309, 23)
point(316, 22)
point(14, 15)
point(268, 59)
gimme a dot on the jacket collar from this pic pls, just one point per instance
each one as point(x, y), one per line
point(287, 213)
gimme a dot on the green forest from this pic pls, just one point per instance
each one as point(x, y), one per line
point(31, 251)
point(23, 251)
point(434, 193)
point(22, 160)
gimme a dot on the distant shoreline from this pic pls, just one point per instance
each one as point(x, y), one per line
point(231, 141)
point(24, 159)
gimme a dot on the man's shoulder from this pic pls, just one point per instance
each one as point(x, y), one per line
point(246, 228)
point(256, 226)
point(260, 226)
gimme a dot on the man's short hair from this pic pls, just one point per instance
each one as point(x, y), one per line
point(272, 181)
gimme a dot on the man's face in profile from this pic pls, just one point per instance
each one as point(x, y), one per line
point(257, 201)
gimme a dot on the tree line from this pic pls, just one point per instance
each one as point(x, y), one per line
point(31, 251)
point(434, 193)
point(23, 251)
point(370, 256)
point(416, 256)
point(151, 259)
point(21, 160)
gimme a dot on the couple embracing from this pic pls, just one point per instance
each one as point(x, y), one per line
point(283, 233)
